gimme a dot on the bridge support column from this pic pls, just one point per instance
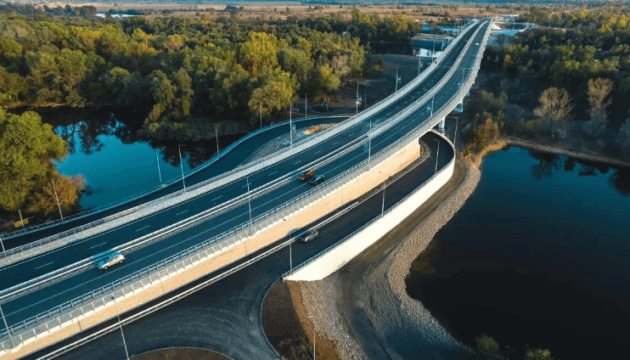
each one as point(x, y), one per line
point(441, 125)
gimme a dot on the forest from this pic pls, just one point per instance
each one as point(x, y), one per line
point(177, 69)
point(566, 80)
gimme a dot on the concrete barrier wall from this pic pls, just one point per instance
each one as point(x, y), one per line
point(341, 254)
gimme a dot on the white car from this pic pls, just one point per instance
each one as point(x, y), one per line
point(111, 260)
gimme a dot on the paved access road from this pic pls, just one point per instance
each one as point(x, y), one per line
point(225, 316)
point(81, 283)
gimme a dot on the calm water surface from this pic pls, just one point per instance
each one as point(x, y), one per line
point(539, 255)
point(105, 149)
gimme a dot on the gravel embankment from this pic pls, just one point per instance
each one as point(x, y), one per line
point(320, 299)
point(392, 310)
point(403, 323)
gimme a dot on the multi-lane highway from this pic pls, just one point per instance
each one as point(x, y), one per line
point(33, 303)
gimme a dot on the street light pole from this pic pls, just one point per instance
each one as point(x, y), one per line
point(123, 337)
point(8, 329)
point(216, 135)
point(249, 203)
point(396, 89)
point(157, 158)
point(260, 112)
point(357, 99)
point(306, 106)
point(370, 144)
point(291, 126)
point(57, 197)
point(455, 140)
point(437, 154)
point(291, 258)
point(2, 243)
point(181, 164)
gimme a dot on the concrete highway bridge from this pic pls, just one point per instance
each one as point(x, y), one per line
point(54, 299)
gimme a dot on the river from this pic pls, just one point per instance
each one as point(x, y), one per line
point(539, 255)
point(117, 163)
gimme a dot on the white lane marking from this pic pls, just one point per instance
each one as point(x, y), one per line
point(274, 172)
point(44, 265)
point(142, 228)
point(97, 245)
point(179, 213)
point(299, 161)
point(218, 197)
point(317, 152)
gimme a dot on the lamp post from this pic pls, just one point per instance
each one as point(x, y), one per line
point(384, 187)
point(181, 164)
point(157, 158)
point(455, 140)
point(216, 135)
point(396, 88)
point(2, 243)
point(370, 144)
point(8, 329)
point(290, 126)
point(309, 317)
point(357, 100)
point(57, 198)
point(437, 154)
point(249, 203)
point(260, 112)
point(305, 106)
point(121, 332)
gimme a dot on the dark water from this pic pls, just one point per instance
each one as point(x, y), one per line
point(539, 255)
point(105, 148)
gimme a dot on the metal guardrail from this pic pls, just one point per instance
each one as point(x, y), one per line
point(452, 102)
point(210, 247)
point(193, 191)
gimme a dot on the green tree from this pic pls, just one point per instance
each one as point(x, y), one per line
point(487, 347)
point(259, 51)
point(275, 94)
point(538, 354)
point(28, 146)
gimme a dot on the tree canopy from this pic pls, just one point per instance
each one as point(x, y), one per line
point(28, 148)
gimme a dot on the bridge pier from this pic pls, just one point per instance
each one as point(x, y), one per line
point(441, 125)
point(460, 107)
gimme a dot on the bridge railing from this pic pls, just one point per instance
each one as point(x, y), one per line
point(455, 99)
point(200, 188)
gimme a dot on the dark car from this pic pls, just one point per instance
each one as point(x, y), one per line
point(307, 175)
point(318, 179)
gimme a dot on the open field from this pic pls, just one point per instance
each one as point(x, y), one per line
point(278, 10)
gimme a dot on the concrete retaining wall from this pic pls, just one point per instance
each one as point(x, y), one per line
point(336, 258)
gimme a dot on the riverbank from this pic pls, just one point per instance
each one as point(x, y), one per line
point(559, 150)
point(364, 309)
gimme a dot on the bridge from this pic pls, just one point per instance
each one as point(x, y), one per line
point(53, 290)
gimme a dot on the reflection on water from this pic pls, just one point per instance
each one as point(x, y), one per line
point(104, 146)
point(539, 255)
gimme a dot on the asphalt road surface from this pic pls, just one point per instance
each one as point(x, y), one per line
point(36, 302)
point(225, 316)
